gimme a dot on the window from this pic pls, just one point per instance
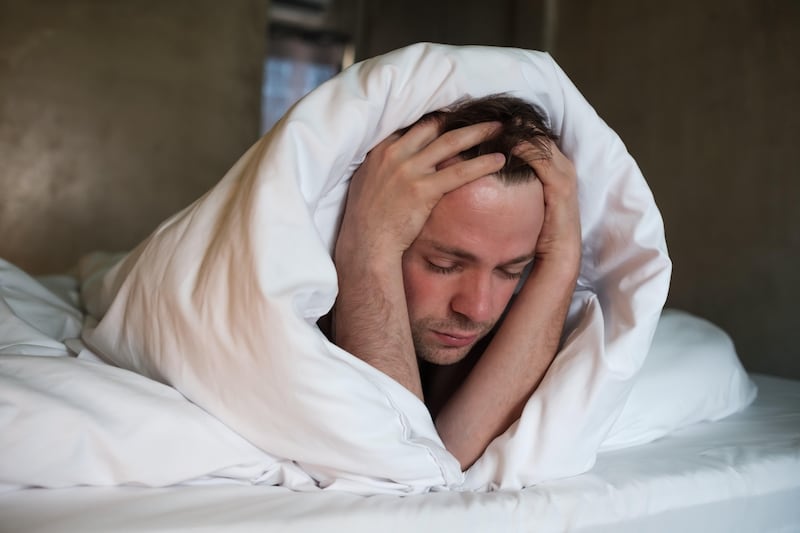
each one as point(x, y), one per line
point(298, 61)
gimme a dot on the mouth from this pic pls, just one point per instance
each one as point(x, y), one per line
point(453, 339)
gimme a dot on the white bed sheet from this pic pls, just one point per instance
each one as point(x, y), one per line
point(739, 474)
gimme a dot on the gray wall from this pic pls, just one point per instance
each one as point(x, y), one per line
point(388, 24)
point(705, 95)
point(115, 114)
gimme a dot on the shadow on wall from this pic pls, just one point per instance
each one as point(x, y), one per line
point(115, 117)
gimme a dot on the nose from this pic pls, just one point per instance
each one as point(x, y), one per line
point(473, 299)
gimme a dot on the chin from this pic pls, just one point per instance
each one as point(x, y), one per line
point(443, 356)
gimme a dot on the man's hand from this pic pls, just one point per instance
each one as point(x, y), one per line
point(393, 192)
point(560, 239)
point(391, 197)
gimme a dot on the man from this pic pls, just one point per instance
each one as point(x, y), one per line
point(440, 222)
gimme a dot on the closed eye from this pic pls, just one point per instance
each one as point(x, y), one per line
point(511, 272)
point(440, 269)
point(510, 275)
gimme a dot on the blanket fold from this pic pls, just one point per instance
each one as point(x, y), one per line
point(222, 299)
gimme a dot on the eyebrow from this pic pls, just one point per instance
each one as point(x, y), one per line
point(468, 256)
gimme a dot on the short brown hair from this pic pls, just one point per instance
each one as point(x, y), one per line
point(521, 120)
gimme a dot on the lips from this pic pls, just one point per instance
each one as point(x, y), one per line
point(454, 339)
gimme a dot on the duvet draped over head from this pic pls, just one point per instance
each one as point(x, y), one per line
point(221, 301)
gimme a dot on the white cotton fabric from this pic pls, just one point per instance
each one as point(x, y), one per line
point(221, 300)
point(740, 474)
point(692, 374)
point(69, 422)
point(33, 319)
point(116, 427)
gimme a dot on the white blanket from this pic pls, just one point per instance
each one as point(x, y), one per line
point(222, 299)
point(115, 427)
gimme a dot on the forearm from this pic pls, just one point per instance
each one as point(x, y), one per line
point(390, 198)
point(511, 368)
point(371, 320)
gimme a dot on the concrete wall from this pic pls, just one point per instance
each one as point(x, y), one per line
point(388, 24)
point(705, 95)
point(114, 115)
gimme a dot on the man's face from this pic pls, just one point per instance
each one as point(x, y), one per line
point(461, 271)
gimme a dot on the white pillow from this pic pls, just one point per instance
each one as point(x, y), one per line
point(692, 374)
point(222, 300)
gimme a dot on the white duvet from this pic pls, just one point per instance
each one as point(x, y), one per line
point(67, 421)
point(221, 300)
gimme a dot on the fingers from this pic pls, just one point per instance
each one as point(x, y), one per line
point(530, 152)
point(454, 142)
point(551, 166)
point(538, 157)
point(421, 151)
point(463, 172)
point(419, 136)
point(428, 147)
point(560, 238)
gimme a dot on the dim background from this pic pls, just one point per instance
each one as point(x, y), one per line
point(114, 114)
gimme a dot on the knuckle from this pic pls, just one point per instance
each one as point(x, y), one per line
point(467, 171)
point(417, 192)
point(391, 152)
point(460, 171)
point(451, 141)
point(405, 170)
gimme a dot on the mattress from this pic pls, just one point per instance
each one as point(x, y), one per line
point(738, 474)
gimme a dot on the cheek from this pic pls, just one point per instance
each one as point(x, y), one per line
point(425, 290)
point(503, 295)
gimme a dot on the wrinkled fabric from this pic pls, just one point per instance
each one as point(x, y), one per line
point(222, 299)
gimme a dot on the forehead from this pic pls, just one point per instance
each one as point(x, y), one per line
point(493, 221)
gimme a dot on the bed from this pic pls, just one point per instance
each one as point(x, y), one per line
point(90, 447)
point(740, 474)
point(185, 386)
